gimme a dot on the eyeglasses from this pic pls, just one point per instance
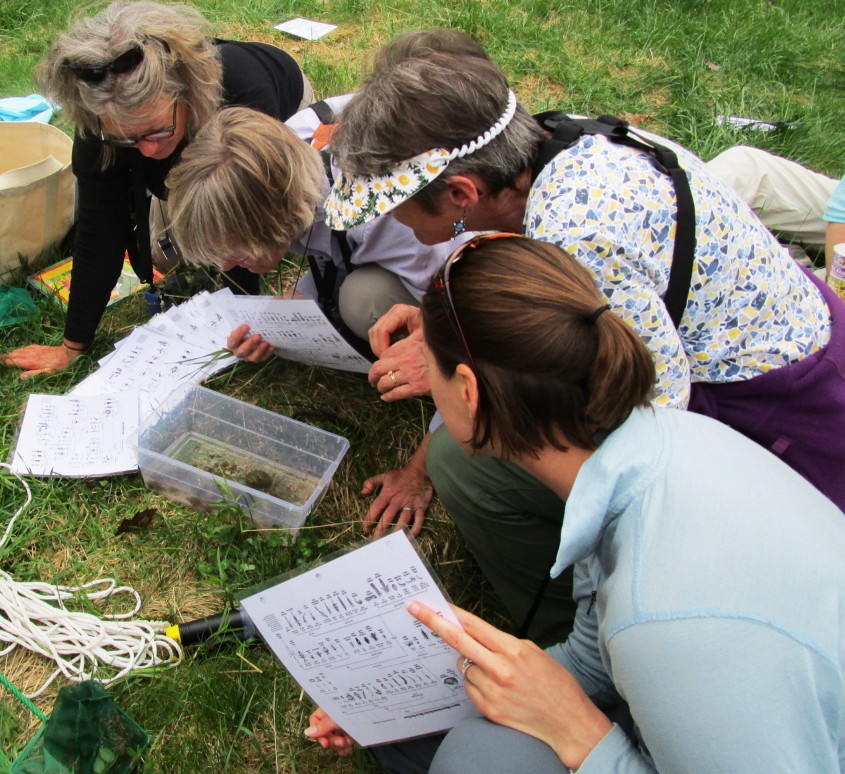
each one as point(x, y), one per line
point(157, 135)
point(125, 63)
point(442, 285)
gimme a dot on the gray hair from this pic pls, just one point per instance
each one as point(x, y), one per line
point(181, 63)
point(428, 97)
point(422, 43)
point(246, 184)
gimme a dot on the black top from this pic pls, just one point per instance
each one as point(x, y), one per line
point(255, 75)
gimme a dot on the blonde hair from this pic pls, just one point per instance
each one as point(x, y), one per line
point(181, 63)
point(246, 183)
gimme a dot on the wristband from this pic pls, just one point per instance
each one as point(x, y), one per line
point(74, 349)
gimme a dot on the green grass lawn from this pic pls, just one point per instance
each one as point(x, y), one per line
point(670, 66)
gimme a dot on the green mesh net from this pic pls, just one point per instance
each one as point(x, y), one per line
point(87, 733)
point(15, 305)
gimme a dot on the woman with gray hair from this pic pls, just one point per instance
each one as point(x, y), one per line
point(140, 79)
point(755, 329)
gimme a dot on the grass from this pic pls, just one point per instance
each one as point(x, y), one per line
point(670, 66)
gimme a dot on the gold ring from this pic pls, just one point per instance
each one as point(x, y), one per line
point(392, 375)
point(466, 664)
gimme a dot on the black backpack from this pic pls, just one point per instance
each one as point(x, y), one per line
point(566, 131)
point(326, 279)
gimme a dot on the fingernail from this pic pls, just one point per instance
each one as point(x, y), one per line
point(310, 731)
point(413, 607)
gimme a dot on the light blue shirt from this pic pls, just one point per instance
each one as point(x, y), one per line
point(719, 604)
point(835, 212)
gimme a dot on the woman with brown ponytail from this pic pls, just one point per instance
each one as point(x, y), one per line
point(708, 574)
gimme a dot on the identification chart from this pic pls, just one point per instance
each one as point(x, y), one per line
point(297, 329)
point(64, 435)
point(342, 631)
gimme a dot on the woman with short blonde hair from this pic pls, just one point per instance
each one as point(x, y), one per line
point(250, 190)
point(248, 186)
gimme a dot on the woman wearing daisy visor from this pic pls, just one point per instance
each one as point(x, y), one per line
point(743, 351)
point(139, 79)
point(691, 585)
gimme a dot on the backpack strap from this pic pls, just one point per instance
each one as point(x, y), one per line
point(138, 246)
point(339, 236)
point(325, 280)
point(566, 131)
point(323, 111)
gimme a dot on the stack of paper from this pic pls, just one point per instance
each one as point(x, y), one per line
point(92, 430)
point(183, 345)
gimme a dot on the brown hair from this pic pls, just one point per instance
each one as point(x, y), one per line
point(245, 183)
point(422, 43)
point(550, 370)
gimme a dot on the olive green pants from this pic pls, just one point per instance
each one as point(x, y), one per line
point(512, 524)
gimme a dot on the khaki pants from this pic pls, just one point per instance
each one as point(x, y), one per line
point(789, 198)
point(367, 293)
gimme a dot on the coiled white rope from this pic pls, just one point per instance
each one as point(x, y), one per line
point(493, 132)
point(84, 646)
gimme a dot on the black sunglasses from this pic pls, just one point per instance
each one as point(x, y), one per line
point(157, 135)
point(442, 285)
point(124, 63)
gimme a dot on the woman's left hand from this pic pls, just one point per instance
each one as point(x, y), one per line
point(517, 684)
point(323, 730)
point(400, 372)
point(404, 497)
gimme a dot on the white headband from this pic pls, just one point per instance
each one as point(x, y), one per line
point(354, 201)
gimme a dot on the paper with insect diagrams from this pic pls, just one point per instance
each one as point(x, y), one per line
point(341, 629)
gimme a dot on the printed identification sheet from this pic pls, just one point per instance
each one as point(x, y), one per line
point(297, 329)
point(64, 435)
point(342, 631)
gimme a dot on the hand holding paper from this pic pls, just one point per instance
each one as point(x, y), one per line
point(515, 683)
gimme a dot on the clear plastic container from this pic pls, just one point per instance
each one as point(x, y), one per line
point(203, 449)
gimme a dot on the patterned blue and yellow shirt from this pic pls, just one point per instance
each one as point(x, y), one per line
point(750, 309)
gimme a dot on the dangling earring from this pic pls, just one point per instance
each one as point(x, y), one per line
point(459, 226)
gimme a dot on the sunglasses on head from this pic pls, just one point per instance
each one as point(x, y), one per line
point(124, 63)
point(442, 285)
point(156, 135)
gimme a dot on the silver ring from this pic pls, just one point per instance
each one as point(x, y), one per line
point(466, 664)
point(407, 508)
point(392, 375)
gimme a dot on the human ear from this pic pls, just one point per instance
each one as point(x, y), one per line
point(468, 388)
point(463, 191)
